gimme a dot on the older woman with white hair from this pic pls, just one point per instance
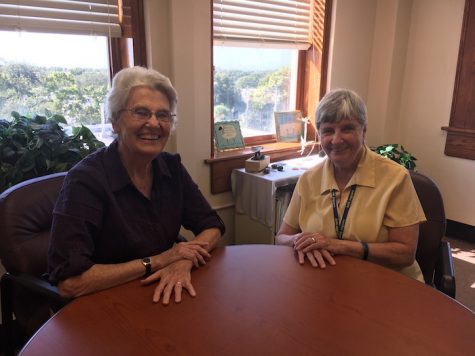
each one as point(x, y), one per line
point(120, 210)
point(356, 202)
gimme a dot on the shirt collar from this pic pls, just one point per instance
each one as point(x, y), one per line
point(117, 174)
point(363, 176)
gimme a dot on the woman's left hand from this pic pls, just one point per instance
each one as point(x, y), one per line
point(311, 241)
point(316, 247)
point(173, 279)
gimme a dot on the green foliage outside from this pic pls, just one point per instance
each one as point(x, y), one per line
point(35, 146)
point(251, 96)
point(76, 93)
point(395, 154)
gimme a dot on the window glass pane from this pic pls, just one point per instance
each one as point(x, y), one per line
point(62, 74)
point(251, 83)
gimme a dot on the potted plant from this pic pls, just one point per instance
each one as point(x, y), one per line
point(36, 146)
point(396, 154)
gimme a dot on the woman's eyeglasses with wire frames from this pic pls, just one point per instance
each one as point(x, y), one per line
point(143, 114)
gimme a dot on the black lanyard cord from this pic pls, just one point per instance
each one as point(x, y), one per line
point(340, 225)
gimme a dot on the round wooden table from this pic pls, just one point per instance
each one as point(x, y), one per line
point(257, 300)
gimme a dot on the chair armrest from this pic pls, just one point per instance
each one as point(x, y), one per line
point(37, 285)
point(444, 275)
point(34, 284)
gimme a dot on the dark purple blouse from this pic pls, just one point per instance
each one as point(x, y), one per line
point(100, 217)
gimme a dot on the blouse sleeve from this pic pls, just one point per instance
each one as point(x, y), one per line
point(76, 218)
point(404, 208)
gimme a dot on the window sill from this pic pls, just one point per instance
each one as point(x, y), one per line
point(460, 142)
point(223, 163)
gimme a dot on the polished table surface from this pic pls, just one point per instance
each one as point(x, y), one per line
point(257, 300)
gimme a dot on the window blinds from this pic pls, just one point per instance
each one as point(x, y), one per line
point(97, 17)
point(318, 24)
point(268, 23)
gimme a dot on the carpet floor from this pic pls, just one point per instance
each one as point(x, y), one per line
point(463, 255)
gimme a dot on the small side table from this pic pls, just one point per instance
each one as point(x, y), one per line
point(262, 199)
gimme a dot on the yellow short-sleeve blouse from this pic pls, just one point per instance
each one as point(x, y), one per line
point(384, 198)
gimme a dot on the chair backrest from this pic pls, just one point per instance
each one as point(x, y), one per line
point(433, 230)
point(26, 214)
point(25, 223)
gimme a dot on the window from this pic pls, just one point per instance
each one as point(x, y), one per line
point(264, 60)
point(58, 56)
point(255, 61)
point(286, 44)
point(70, 77)
point(251, 83)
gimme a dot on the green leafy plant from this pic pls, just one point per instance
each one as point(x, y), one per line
point(395, 154)
point(35, 146)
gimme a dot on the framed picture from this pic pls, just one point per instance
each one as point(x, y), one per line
point(227, 135)
point(289, 126)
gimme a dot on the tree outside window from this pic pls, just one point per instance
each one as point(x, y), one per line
point(54, 81)
point(251, 90)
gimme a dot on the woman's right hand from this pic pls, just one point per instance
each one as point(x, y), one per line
point(194, 251)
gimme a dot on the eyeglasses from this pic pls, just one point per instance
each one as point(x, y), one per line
point(143, 114)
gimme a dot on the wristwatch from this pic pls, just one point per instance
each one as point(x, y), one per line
point(148, 266)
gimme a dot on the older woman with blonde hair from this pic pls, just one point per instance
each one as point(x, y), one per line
point(355, 202)
point(120, 210)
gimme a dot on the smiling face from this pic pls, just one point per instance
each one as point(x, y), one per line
point(143, 139)
point(343, 141)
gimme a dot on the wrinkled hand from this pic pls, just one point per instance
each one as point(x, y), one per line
point(194, 251)
point(316, 247)
point(173, 278)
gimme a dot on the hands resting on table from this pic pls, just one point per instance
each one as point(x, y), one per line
point(171, 267)
point(176, 275)
point(317, 248)
point(398, 252)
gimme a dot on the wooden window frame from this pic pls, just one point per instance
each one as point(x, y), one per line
point(460, 140)
point(132, 40)
point(223, 163)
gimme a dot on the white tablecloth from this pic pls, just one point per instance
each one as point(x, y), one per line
point(254, 193)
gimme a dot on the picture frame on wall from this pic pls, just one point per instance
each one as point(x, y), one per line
point(289, 126)
point(227, 135)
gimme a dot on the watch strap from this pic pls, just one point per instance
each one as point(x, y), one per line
point(148, 266)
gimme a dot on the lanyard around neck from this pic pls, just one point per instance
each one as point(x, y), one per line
point(340, 225)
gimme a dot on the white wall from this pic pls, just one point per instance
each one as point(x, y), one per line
point(352, 45)
point(412, 50)
point(400, 55)
point(427, 98)
point(186, 45)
